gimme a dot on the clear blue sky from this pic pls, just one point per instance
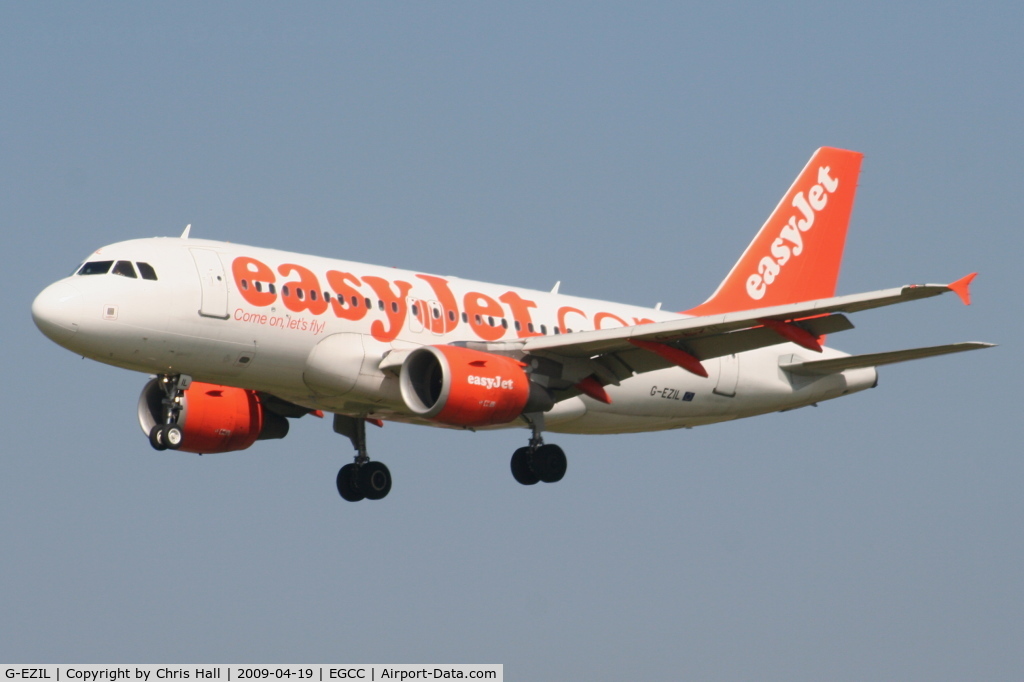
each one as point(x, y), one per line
point(629, 151)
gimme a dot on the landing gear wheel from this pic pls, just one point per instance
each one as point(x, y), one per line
point(521, 470)
point(172, 436)
point(156, 437)
point(347, 484)
point(548, 463)
point(374, 480)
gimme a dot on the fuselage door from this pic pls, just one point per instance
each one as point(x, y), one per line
point(212, 282)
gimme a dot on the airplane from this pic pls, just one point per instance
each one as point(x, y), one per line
point(241, 339)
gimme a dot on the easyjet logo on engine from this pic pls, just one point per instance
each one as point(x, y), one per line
point(790, 241)
point(492, 382)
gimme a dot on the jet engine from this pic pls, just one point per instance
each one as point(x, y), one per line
point(214, 418)
point(464, 387)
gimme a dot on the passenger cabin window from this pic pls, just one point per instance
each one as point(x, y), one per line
point(96, 267)
point(125, 269)
point(147, 271)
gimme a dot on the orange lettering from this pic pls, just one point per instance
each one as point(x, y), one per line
point(303, 294)
point(247, 271)
point(395, 307)
point(479, 307)
point(449, 307)
point(342, 303)
point(565, 310)
point(600, 317)
point(520, 312)
point(420, 311)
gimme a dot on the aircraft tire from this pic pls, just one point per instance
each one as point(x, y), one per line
point(521, 470)
point(156, 438)
point(374, 480)
point(346, 484)
point(549, 463)
point(172, 436)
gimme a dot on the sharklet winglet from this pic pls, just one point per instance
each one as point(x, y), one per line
point(961, 287)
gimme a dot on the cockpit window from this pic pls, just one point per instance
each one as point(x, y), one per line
point(96, 267)
point(125, 269)
point(147, 271)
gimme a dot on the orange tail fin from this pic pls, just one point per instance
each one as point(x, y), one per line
point(796, 254)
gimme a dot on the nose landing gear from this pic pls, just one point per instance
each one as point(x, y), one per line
point(169, 434)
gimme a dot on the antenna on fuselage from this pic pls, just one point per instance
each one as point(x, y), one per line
point(554, 289)
point(184, 235)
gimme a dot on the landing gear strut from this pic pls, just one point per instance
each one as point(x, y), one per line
point(168, 434)
point(362, 479)
point(537, 461)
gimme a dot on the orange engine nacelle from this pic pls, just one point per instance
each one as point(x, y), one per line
point(463, 387)
point(214, 418)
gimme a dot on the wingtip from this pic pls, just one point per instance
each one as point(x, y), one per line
point(961, 287)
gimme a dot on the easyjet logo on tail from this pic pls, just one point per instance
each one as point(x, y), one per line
point(796, 254)
point(790, 241)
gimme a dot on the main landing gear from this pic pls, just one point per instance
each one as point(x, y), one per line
point(168, 434)
point(537, 461)
point(362, 479)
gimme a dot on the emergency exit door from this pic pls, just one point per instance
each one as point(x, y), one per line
point(212, 283)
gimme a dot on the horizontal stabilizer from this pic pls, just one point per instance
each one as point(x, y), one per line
point(836, 365)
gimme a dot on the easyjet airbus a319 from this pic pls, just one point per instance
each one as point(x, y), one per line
point(243, 339)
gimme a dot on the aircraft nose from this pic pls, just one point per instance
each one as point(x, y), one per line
point(56, 310)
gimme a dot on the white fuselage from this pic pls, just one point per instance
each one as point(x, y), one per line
point(272, 321)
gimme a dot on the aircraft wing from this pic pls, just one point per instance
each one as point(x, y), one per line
point(590, 343)
point(612, 355)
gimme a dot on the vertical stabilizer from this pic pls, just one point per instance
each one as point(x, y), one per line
point(797, 253)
